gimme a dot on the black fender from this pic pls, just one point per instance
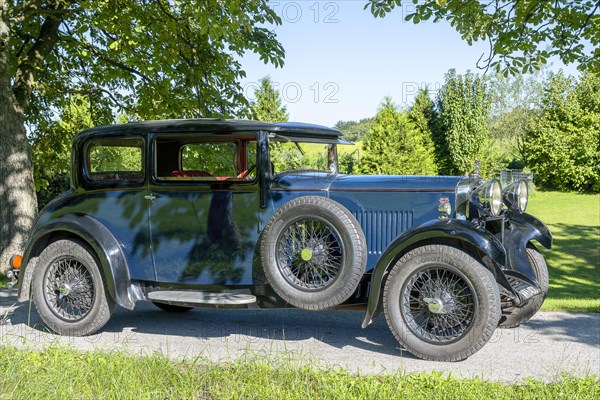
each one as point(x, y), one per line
point(102, 242)
point(522, 229)
point(454, 229)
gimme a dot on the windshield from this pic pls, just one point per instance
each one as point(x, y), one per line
point(295, 156)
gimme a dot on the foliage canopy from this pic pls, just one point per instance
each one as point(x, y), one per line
point(562, 146)
point(522, 35)
point(462, 122)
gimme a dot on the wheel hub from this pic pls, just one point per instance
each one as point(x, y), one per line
point(435, 305)
point(306, 254)
point(440, 303)
point(64, 289)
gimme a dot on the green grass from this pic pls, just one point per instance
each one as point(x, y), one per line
point(3, 281)
point(574, 260)
point(60, 372)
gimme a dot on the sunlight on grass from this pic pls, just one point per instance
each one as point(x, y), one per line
point(62, 372)
point(574, 260)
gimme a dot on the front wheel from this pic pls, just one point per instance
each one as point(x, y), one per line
point(68, 290)
point(440, 303)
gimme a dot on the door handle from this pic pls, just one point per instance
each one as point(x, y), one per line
point(150, 197)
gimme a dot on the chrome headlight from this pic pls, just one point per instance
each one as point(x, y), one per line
point(516, 195)
point(490, 196)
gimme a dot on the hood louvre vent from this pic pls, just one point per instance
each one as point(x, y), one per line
point(381, 227)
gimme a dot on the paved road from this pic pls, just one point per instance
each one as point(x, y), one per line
point(547, 346)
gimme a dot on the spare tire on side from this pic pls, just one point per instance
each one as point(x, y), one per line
point(313, 253)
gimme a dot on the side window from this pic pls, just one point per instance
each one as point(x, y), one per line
point(217, 159)
point(115, 160)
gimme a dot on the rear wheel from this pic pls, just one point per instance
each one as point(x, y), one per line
point(440, 303)
point(68, 290)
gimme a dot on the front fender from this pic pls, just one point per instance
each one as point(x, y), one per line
point(454, 229)
point(522, 229)
point(103, 243)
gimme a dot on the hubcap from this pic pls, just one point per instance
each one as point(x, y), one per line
point(306, 254)
point(64, 290)
point(436, 306)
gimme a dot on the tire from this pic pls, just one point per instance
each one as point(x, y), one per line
point(313, 253)
point(172, 308)
point(524, 314)
point(440, 303)
point(68, 290)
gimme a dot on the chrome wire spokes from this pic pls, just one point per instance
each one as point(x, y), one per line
point(69, 289)
point(438, 304)
point(310, 254)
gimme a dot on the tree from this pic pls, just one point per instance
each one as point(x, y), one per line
point(267, 107)
point(562, 147)
point(51, 147)
point(514, 103)
point(355, 131)
point(395, 145)
point(462, 122)
point(423, 115)
point(150, 59)
point(522, 35)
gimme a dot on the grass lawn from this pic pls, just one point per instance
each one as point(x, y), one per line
point(61, 372)
point(574, 260)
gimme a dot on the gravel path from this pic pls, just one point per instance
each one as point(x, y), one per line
point(549, 345)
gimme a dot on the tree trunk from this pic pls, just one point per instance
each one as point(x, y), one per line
point(18, 202)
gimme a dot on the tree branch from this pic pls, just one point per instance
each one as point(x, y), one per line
point(25, 75)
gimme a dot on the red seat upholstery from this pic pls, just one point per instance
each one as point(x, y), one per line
point(191, 174)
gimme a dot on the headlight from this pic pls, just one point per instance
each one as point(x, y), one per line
point(516, 195)
point(490, 196)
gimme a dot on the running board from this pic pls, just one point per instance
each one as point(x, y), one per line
point(200, 299)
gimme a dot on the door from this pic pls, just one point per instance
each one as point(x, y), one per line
point(204, 209)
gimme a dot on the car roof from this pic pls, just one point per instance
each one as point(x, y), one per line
point(216, 126)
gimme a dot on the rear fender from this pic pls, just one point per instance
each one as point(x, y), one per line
point(105, 246)
point(435, 231)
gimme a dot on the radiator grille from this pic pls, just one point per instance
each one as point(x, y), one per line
point(381, 227)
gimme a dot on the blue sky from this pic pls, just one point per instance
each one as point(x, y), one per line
point(341, 62)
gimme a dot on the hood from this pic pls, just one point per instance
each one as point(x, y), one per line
point(394, 183)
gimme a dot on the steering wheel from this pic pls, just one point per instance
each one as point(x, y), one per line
point(244, 174)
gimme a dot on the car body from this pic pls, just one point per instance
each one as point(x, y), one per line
point(190, 213)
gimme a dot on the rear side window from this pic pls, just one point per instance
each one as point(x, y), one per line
point(115, 160)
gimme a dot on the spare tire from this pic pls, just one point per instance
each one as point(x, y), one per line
point(313, 253)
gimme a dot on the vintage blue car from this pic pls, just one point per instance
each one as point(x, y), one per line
point(246, 214)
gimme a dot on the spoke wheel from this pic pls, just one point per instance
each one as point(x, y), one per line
point(313, 253)
point(310, 254)
point(440, 303)
point(68, 289)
